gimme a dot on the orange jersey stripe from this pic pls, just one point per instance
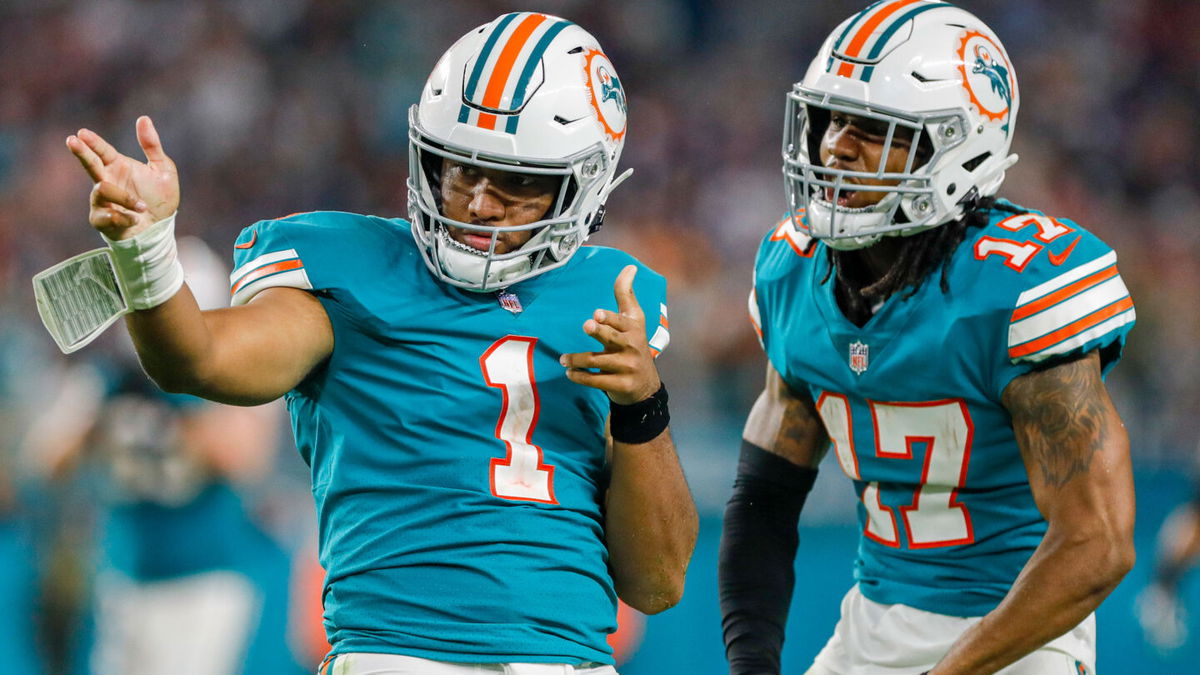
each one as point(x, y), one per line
point(757, 328)
point(504, 66)
point(864, 32)
point(1071, 329)
point(282, 266)
point(1063, 293)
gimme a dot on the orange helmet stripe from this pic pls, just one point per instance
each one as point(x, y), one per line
point(846, 69)
point(504, 66)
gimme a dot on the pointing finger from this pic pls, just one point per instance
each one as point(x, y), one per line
point(618, 321)
point(107, 153)
point(89, 159)
point(593, 362)
point(606, 335)
point(623, 289)
point(602, 381)
point(148, 138)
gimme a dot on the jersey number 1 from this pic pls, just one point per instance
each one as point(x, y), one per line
point(521, 474)
point(944, 428)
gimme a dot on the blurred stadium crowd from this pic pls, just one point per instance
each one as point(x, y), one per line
point(271, 107)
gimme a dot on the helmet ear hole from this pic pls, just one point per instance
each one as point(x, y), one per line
point(973, 163)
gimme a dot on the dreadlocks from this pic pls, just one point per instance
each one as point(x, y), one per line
point(923, 254)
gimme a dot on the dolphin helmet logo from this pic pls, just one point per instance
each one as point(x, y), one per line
point(611, 89)
point(607, 93)
point(996, 73)
point(994, 99)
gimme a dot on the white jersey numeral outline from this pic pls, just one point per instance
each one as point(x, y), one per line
point(1048, 229)
point(521, 474)
point(1016, 254)
point(934, 518)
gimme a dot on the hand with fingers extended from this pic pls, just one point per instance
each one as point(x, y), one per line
point(128, 195)
point(625, 370)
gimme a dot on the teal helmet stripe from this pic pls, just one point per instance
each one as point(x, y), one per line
point(880, 43)
point(837, 44)
point(469, 91)
point(531, 64)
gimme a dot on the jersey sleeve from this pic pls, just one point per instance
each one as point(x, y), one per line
point(780, 270)
point(310, 251)
point(268, 254)
point(1069, 300)
point(650, 287)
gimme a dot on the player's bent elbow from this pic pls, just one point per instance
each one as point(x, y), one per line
point(174, 381)
point(650, 591)
point(654, 601)
point(1121, 552)
point(1112, 562)
point(1124, 555)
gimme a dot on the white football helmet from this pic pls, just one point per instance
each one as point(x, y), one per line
point(926, 68)
point(526, 93)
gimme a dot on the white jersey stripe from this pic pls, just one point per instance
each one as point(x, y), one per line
point(1079, 339)
point(661, 339)
point(1067, 278)
point(755, 316)
point(1067, 312)
point(289, 279)
point(264, 259)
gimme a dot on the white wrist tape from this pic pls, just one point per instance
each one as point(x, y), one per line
point(148, 264)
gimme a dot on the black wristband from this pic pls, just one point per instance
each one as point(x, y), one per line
point(640, 422)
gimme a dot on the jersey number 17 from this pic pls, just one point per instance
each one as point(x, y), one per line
point(944, 428)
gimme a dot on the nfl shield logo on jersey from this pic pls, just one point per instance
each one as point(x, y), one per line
point(858, 357)
point(510, 301)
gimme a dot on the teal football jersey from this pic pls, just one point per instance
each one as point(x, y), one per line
point(912, 400)
point(458, 475)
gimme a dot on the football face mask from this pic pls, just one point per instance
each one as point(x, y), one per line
point(529, 94)
point(470, 253)
point(925, 73)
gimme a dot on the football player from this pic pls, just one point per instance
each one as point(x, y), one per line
point(451, 382)
point(950, 346)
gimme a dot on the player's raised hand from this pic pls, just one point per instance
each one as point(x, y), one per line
point(625, 370)
point(128, 195)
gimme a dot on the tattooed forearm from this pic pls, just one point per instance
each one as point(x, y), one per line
point(1060, 418)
